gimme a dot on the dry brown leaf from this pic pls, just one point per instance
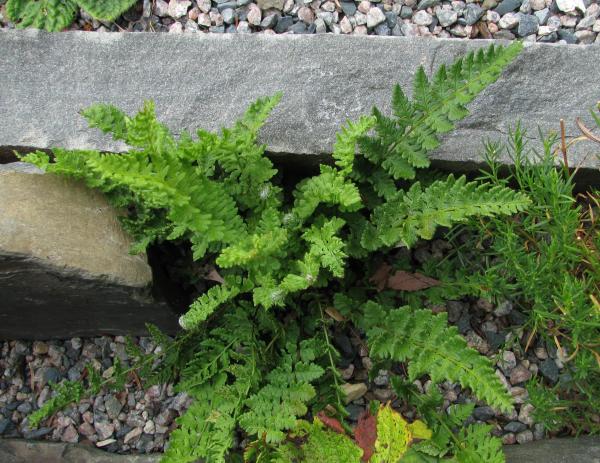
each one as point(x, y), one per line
point(380, 277)
point(406, 281)
point(213, 275)
point(335, 314)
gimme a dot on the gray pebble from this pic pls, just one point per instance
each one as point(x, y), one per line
point(506, 6)
point(528, 25)
point(473, 13)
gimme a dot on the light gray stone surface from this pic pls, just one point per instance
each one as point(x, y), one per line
point(22, 451)
point(581, 450)
point(65, 267)
point(206, 80)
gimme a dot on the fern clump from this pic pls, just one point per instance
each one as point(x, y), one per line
point(56, 15)
point(256, 353)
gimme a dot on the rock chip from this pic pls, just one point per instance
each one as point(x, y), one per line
point(353, 392)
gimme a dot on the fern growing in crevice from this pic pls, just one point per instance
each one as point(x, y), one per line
point(256, 354)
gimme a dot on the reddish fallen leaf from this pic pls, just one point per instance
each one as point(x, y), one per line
point(406, 281)
point(380, 277)
point(365, 434)
point(331, 423)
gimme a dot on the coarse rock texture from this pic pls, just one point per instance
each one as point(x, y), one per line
point(581, 450)
point(325, 80)
point(21, 451)
point(562, 21)
point(65, 267)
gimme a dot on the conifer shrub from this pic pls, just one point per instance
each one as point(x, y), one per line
point(255, 352)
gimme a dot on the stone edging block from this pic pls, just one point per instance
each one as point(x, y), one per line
point(207, 80)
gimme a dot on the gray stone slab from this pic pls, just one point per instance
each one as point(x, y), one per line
point(206, 80)
point(566, 450)
point(22, 451)
point(65, 267)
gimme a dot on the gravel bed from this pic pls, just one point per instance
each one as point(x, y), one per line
point(562, 21)
point(139, 421)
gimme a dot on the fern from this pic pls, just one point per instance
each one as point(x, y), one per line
point(417, 212)
point(276, 406)
point(433, 348)
point(262, 370)
point(402, 143)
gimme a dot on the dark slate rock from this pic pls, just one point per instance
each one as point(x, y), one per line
point(515, 426)
point(528, 25)
point(464, 323)
point(424, 4)
point(549, 369)
point(37, 433)
point(542, 16)
point(495, 340)
point(284, 24)
point(354, 411)
point(49, 375)
point(397, 31)
point(311, 29)
point(455, 310)
point(269, 22)
point(343, 344)
point(4, 422)
point(567, 35)
point(391, 19)
point(225, 5)
point(349, 8)
point(517, 318)
point(298, 28)
point(473, 13)
point(506, 6)
point(483, 413)
point(406, 12)
point(382, 29)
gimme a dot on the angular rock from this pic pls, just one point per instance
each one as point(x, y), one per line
point(65, 267)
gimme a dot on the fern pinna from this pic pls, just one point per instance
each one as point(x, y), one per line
point(257, 369)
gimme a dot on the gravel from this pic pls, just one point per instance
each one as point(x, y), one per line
point(562, 21)
point(139, 421)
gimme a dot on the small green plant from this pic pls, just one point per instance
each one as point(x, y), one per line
point(256, 353)
point(546, 260)
point(55, 15)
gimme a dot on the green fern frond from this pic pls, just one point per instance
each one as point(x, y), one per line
point(107, 10)
point(344, 148)
point(276, 407)
point(326, 246)
point(417, 212)
point(402, 143)
point(477, 445)
point(51, 15)
point(433, 348)
point(331, 188)
point(206, 304)
point(323, 445)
